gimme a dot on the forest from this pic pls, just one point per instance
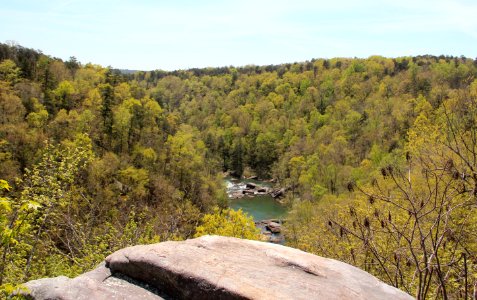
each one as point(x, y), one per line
point(378, 156)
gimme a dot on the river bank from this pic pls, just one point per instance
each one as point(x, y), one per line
point(252, 187)
point(253, 197)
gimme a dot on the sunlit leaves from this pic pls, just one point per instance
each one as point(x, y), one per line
point(9, 71)
point(228, 222)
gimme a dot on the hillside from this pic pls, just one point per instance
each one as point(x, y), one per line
point(378, 157)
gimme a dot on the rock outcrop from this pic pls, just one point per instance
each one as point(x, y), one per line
point(213, 267)
point(98, 284)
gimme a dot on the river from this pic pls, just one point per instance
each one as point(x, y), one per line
point(260, 207)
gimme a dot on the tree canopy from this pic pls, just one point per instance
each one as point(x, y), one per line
point(378, 156)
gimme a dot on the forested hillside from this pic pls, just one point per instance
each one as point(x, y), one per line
point(379, 157)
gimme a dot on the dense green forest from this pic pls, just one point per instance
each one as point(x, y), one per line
point(378, 157)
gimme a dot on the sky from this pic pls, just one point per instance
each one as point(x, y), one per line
point(182, 34)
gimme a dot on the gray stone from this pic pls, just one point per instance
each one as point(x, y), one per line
point(97, 284)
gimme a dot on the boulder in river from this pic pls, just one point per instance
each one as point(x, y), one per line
point(236, 195)
point(274, 227)
point(250, 185)
point(215, 267)
point(262, 190)
point(248, 192)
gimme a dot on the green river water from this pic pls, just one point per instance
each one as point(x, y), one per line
point(260, 207)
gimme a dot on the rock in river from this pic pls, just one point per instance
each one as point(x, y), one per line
point(250, 185)
point(274, 227)
point(262, 190)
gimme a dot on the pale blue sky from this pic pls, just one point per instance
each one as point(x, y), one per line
point(168, 35)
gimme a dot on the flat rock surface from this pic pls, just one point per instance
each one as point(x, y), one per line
point(213, 267)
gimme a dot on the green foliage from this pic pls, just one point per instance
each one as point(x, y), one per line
point(13, 223)
point(136, 158)
point(46, 191)
point(9, 71)
point(413, 225)
point(11, 108)
point(135, 179)
point(5, 209)
point(228, 222)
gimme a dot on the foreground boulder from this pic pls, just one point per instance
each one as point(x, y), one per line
point(98, 284)
point(213, 267)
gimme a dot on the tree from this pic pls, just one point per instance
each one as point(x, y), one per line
point(10, 231)
point(236, 157)
point(9, 71)
point(48, 187)
point(185, 155)
point(73, 64)
point(228, 222)
point(64, 94)
point(12, 110)
point(107, 96)
point(122, 126)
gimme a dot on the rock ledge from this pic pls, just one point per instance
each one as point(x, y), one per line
point(214, 267)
